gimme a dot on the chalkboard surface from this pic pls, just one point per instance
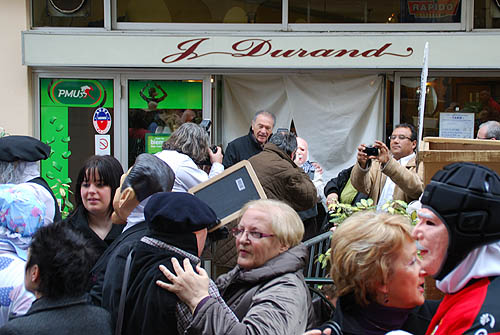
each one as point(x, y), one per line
point(227, 192)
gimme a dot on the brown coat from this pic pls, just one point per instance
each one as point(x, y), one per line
point(282, 179)
point(409, 184)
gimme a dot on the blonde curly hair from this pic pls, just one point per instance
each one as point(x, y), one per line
point(363, 249)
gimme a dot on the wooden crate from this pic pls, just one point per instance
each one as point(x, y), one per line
point(436, 152)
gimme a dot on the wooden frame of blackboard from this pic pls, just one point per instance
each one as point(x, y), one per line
point(242, 170)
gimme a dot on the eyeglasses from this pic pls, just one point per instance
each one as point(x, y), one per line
point(252, 235)
point(401, 137)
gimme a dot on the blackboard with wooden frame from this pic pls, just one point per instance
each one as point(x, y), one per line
point(229, 191)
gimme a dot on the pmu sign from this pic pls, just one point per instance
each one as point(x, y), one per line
point(76, 92)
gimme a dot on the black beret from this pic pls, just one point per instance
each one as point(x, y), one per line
point(22, 148)
point(177, 212)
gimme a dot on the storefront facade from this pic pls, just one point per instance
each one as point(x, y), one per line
point(114, 77)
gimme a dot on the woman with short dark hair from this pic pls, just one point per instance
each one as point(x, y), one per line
point(57, 273)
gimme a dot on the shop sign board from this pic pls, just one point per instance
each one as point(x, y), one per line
point(286, 51)
point(456, 125)
point(76, 92)
point(154, 142)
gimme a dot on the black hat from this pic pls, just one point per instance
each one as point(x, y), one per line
point(177, 212)
point(466, 197)
point(22, 148)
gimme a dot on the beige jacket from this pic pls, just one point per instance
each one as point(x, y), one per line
point(409, 184)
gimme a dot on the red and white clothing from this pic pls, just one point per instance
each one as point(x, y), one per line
point(472, 302)
point(472, 310)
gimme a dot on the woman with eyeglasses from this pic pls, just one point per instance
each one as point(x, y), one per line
point(266, 290)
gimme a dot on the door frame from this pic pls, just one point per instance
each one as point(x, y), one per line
point(120, 79)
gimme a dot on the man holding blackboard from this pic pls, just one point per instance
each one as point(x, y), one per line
point(251, 144)
point(280, 177)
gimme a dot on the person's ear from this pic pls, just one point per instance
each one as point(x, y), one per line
point(127, 195)
point(414, 144)
point(34, 273)
point(382, 288)
point(283, 248)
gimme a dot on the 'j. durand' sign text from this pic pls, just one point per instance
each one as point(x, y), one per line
point(256, 47)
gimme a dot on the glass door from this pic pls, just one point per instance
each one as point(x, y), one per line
point(156, 107)
point(77, 119)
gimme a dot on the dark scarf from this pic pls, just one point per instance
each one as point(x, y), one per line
point(373, 319)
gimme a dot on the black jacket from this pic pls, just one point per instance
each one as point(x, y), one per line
point(337, 184)
point(241, 148)
point(149, 309)
point(72, 315)
point(352, 318)
point(127, 239)
point(79, 221)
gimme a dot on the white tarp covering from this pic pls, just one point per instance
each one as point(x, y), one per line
point(333, 113)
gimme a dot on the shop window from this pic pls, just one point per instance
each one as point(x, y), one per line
point(199, 11)
point(67, 13)
point(76, 120)
point(486, 14)
point(455, 107)
point(374, 11)
point(156, 109)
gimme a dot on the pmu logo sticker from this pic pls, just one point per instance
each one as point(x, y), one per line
point(76, 92)
point(102, 120)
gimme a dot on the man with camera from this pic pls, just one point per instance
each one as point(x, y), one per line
point(386, 174)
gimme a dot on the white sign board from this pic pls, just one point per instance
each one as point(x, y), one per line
point(102, 145)
point(456, 125)
point(279, 50)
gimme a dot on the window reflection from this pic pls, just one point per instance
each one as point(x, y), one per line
point(374, 11)
point(156, 109)
point(487, 14)
point(68, 13)
point(200, 11)
point(477, 96)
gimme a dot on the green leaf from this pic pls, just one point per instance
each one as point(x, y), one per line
point(57, 166)
point(401, 203)
point(49, 175)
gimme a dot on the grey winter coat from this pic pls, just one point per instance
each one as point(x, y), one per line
point(272, 299)
point(72, 315)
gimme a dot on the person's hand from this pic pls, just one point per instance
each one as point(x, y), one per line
point(383, 152)
point(332, 199)
point(317, 167)
point(217, 157)
point(189, 286)
point(327, 331)
point(362, 157)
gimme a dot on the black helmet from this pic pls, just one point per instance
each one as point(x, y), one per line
point(466, 197)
